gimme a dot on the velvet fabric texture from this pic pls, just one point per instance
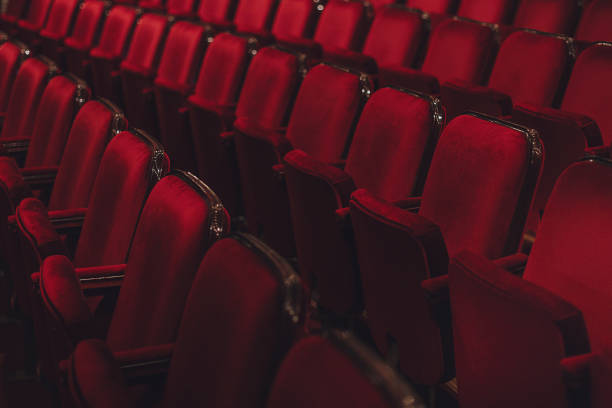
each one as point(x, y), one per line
point(59, 22)
point(294, 19)
point(587, 87)
point(389, 155)
point(317, 373)
point(175, 79)
point(255, 16)
point(463, 205)
point(594, 22)
point(548, 16)
point(181, 8)
point(342, 25)
point(105, 57)
point(53, 120)
point(138, 69)
point(217, 12)
point(173, 232)
point(395, 37)
point(27, 89)
point(506, 327)
point(434, 6)
point(211, 112)
point(10, 54)
point(89, 135)
point(490, 11)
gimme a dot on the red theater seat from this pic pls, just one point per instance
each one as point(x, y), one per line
point(594, 23)
point(181, 218)
point(34, 21)
point(558, 16)
point(535, 331)
point(232, 336)
point(489, 11)
point(389, 155)
point(321, 124)
point(458, 49)
point(11, 55)
point(138, 70)
point(338, 371)
point(217, 13)
point(175, 79)
point(181, 8)
point(476, 195)
point(211, 114)
point(15, 10)
point(61, 18)
point(254, 16)
point(530, 68)
point(84, 34)
point(294, 19)
point(111, 48)
point(583, 121)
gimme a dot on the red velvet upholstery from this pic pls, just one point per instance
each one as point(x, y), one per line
point(389, 155)
point(138, 69)
point(211, 114)
point(395, 37)
point(58, 25)
point(84, 33)
point(157, 5)
point(217, 12)
point(14, 11)
point(342, 25)
point(175, 78)
point(457, 49)
point(294, 19)
point(530, 68)
point(27, 89)
point(337, 371)
point(594, 22)
point(505, 327)
point(434, 6)
point(233, 334)
point(476, 196)
point(321, 124)
point(105, 56)
point(34, 21)
point(271, 82)
point(181, 8)
point(58, 106)
point(95, 124)
point(549, 16)
point(490, 11)
point(10, 58)
point(254, 16)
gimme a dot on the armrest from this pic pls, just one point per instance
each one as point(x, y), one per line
point(339, 181)
point(437, 293)
point(40, 178)
point(12, 182)
point(352, 59)
point(599, 151)
point(515, 263)
point(67, 220)
point(411, 204)
point(408, 78)
point(14, 146)
point(274, 137)
point(33, 222)
point(460, 96)
point(138, 365)
point(100, 278)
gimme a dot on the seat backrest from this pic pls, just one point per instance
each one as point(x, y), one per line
point(254, 16)
point(272, 73)
point(182, 53)
point(338, 371)
point(393, 143)
point(433, 6)
point(131, 165)
point(506, 327)
point(222, 70)
point(11, 54)
point(531, 68)
point(326, 108)
point(294, 19)
point(460, 49)
point(59, 103)
point(395, 37)
point(570, 256)
point(146, 44)
point(594, 23)
point(181, 218)
point(16, 8)
point(96, 123)
point(29, 85)
point(217, 11)
point(38, 12)
point(157, 5)
point(87, 25)
point(556, 16)
point(238, 323)
point(480, 184)
point(343, 24)
point(589, 87)
point(61, 17)
point(181, 8)
point(117, 29)
point(489, 11)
